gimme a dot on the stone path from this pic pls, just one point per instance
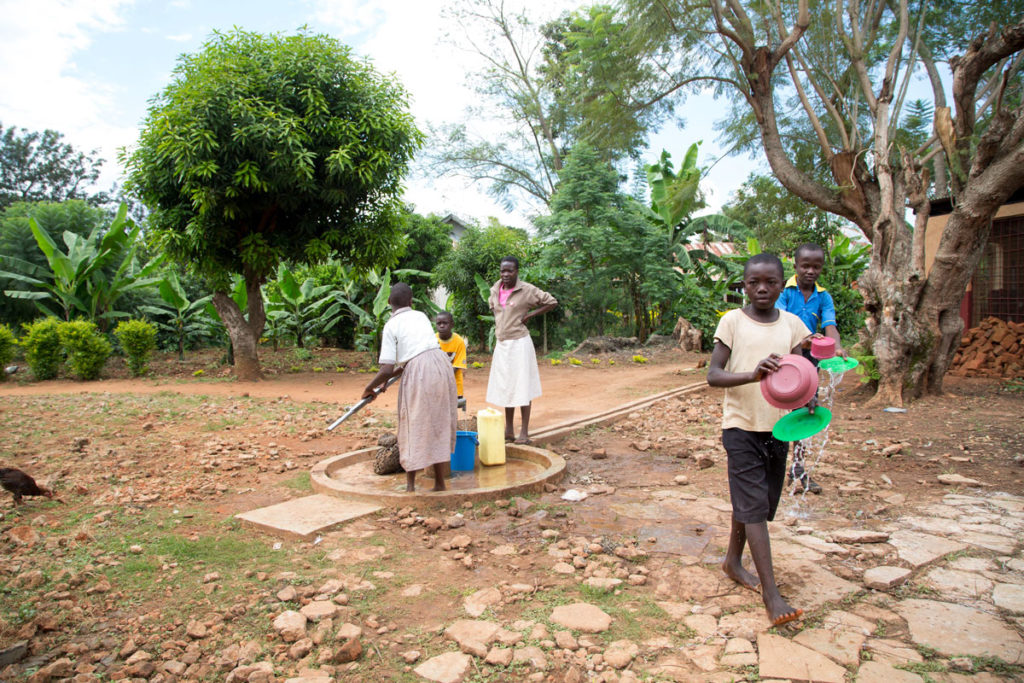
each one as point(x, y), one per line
point(934, 593)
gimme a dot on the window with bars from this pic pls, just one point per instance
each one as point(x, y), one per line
point(998, 285)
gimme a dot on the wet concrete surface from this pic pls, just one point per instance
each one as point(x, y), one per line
point(489, 478)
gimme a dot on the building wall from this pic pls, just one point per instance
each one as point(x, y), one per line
point(936, 224)
point(993, 294)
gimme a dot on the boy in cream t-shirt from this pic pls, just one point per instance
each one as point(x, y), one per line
point(749, 343)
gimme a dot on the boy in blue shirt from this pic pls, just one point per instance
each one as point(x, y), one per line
point(809, 301)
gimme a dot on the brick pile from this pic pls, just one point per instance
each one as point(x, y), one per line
point(995, 348)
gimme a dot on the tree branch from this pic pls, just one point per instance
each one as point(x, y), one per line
point(803, 20)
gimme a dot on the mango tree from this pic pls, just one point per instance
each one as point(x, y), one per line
point(271, 148)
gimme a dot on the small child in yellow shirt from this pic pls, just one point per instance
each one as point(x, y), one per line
point(453, 345)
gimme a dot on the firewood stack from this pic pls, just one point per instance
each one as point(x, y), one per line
point(995, 348)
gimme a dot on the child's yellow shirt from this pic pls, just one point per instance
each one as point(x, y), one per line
point(455, 348)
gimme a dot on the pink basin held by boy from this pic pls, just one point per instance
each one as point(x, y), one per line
point(792, 385)
point(823, 348)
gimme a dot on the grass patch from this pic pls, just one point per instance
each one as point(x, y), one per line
point(300, 482)
point(922, 668)
point(997, 666)
point(633, 618)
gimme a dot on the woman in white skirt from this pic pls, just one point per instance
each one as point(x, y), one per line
point(514, 379)
point(427, 413)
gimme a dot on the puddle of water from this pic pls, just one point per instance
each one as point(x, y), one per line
point(680, 538)
point(512, 472)
point(676, 534)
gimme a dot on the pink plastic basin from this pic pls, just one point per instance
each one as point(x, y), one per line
point(792, 385)
point(823, 348)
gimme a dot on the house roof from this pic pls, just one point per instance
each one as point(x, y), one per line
point(944, 206)
point(716, 248)
point(458, 225)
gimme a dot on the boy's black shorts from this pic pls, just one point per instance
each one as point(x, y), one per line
point(757, 471)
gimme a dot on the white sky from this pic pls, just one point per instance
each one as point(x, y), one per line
point(87, 68)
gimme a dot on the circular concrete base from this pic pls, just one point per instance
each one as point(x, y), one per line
point(536, 467)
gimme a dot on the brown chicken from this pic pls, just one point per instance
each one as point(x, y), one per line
point(21, 484)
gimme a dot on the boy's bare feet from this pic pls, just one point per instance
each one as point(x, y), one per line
point(439, 486)
point(741, 576)
point(779, 611)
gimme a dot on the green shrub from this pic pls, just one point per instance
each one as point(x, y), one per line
point(138, 339)
point(867, 368)
point(7, 346)
point(87, 350)
point(43, 351)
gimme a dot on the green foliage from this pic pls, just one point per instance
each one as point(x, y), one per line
point(581, 244)
point(547, 89)
point(297, 307)
point(675, 196)
point(867, 368)
point(187, 321)
point(479, 252)
point(428, 241)
point(38, 166)
point(702, 308)
point(138, 340)
point(844, 263)
point(87, 350)
point(87, 279)
point(704, 278)
point(267, 149)
point(779, 220)
point(43, 350)
point(8, 344)
point(600, 99)
point(270, 148)
point(18, 242)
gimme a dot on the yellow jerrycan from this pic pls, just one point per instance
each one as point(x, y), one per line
point(490, 427)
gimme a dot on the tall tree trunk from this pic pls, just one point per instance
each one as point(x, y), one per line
point(244, 333)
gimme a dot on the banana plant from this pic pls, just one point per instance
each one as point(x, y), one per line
point(77, 279)
point(298, 307)
point(483, 288)
point(185, 320)
point(372, 313)
point(370, 316)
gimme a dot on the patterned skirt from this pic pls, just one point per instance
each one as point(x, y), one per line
point(427, 416)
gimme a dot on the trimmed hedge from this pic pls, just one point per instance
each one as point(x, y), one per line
point(43, 351)
point(138, 340)
point(7, 345)
point(87, 349)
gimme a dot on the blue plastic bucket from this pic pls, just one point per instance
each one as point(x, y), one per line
point(464, 457)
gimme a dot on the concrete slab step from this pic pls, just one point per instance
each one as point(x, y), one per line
point(306, 517)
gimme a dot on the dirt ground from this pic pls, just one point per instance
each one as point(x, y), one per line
point(604, 386)
point(140, 572)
